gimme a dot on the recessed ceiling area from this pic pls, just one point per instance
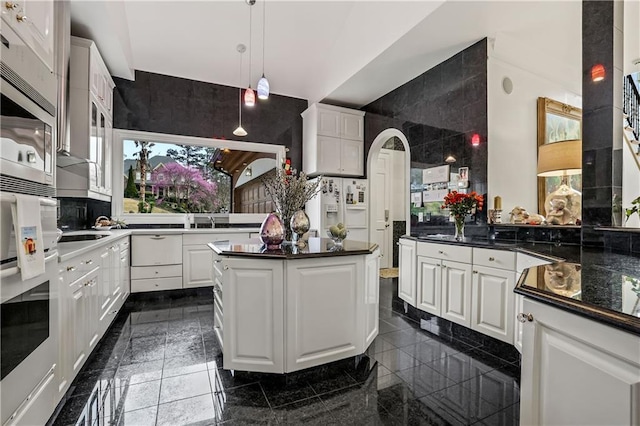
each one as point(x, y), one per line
point(346, 52)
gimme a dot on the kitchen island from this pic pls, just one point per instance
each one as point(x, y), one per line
point(279, 311)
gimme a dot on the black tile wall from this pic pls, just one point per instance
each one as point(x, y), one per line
point(438, 112)
point(173, 105)
point(80, 213)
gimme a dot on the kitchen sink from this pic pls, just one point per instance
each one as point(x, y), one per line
point(72, 236)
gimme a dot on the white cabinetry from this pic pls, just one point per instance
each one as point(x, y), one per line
point(456, 292)
point(156, 262)
point(407, 271)
point(493, 298)
point(90, 109)
point(333, 141)
point(577, 371)
point(279, 316)
point(32, 20)
point(197, 258)
point(253, 315)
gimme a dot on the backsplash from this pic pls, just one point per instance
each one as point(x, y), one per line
point(80, 213)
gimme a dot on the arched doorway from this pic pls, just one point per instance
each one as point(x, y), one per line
point(388, 165)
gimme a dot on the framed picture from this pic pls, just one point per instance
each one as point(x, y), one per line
point(557, 122)
point(464, 173)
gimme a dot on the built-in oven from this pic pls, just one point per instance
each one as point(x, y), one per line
point(28, 345)
point(27, 121)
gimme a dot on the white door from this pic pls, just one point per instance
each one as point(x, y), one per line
point(381, 208)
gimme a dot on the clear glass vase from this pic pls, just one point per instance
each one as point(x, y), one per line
point(459, 223)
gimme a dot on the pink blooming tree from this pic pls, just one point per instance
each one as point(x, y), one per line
point(187, 186)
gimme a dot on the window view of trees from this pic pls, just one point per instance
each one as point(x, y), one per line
point(171, 178)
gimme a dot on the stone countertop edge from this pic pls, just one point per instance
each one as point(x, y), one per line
point(67, 251)
point(618, 320)
point(290, 256)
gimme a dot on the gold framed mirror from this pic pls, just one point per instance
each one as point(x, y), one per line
point(557, 122)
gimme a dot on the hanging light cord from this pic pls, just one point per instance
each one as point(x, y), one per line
point(264, 19)
point(250, 25)
point(240, 93)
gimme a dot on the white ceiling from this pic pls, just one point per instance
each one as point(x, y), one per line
point(350, 52)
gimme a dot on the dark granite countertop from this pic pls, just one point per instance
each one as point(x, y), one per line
point(591, 282)
point(316, 247)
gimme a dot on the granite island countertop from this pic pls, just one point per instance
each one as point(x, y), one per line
point(316, 247)
point(590, 282)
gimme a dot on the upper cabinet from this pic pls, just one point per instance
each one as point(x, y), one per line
point(91, 122)
point(333, 141)
point(32, 20)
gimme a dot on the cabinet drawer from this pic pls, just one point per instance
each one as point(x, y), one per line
point(155, 284)
point(491, 258)
point(141, 272)
point(444, 252)
point(147, 250)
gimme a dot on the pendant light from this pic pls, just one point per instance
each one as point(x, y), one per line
point(249, 94)
point(263, 83)
point(240, 131)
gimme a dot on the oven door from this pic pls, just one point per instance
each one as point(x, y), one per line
point(29, 334)
point(27, 138)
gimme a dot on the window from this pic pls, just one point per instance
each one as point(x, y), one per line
point(170, 174)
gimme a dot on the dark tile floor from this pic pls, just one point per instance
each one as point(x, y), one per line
point(160, 364)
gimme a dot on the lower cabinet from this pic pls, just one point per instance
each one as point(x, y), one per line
point(196, 267)
point(456, 292)
point(253, 302)
point(279, 316)
point(93, 287)
point(492, 312)
point(407, 271)
point(577, 371)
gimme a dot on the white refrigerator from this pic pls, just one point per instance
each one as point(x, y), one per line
point(341, 200)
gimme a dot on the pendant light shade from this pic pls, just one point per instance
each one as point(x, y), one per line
point(240, 131)
point(263, 88)
point(263, 83)
point(249, 97)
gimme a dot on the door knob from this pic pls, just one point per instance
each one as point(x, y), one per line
point(525, 317)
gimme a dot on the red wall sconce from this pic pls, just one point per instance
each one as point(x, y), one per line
point(597, 72)
point(475, 139)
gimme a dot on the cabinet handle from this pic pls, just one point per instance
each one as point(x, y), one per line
point(89, 262)
point(10, 6)
point(71, 268)
point(225, 267)
point(217, 261)
point(525, 317)
point(156, 285)
point(21, 18)
point(113, 312)
point(491, 259)
point(440, 252)
point(157, 237)
point(475, 272)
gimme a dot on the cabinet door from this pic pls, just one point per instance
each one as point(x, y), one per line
point(253, 316)
point(125, 274)
point(329, 153)
point(456, 292)
point(106, 275)
point(492, 309)
point(371, 297)
point(77, 328)
point(407, 272)
point(518, 326)
point(328, 123)
point(93, 310)
point(107, 158)
point(428, 294)
point(33, 21)
point(197, 266)
point(352, 126)
point(352, 157)
point(577, 371)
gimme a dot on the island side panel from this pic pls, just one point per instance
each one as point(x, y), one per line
point(325, 315)
point(371, 297)
point(253, 314)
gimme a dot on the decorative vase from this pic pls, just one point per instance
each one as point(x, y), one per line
point(459, 222)
point(272, 231)
point(299, 225)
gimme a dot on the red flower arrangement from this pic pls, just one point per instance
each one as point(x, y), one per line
point(460, 204)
